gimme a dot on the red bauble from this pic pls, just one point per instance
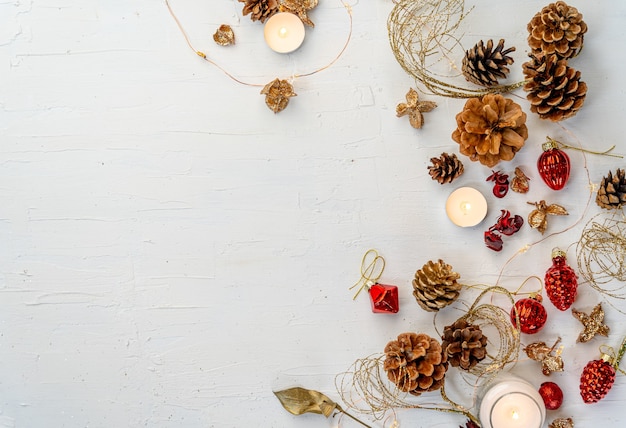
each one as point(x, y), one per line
point(561, 281)
point(532, 314)
point(596, 380)
point(553, 165)
point(552, 395)
point(384, 298)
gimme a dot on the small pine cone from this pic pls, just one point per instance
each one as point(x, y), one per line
point(596, 380)
point(415, 363)
point(558, 29)
point(435, 286)
point(446, 168)
point(490, 129)
point(259, 10)
point(464, 343)
point(554, 89)
point(483, 65)
point(612, 191)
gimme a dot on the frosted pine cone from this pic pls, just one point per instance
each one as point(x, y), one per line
point(259, 10)
point(435, 286)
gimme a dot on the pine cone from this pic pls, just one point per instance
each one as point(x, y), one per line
point(435, 286)
point(612, 191)
point(446, 168)
point(464, 343)
point(596, 380)
point(483, 65)
point(490, 129)
point(415, 363)
point(558, 29)
point(259, 10)
point(554, 89)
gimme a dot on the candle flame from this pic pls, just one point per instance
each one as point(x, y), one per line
point(514, 414)
point(283, 32)
point(465, 207)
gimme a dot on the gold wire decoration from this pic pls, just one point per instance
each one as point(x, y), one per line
point(422, 35)
point(372, 267)
point(601, 252)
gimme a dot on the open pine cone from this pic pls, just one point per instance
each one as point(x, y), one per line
point(558, 29)
point(415, 363)
point(259, 10)
point(435, 286)
point(446, 168)
point(490, 129)
point(464, 343)
point(483, 65)
point(554, 89)
point(612, 190)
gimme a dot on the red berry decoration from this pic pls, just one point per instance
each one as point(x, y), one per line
point(532, 314)
point(501, 186)
point(384, 298)
point(552, 395)
point(553, 165)
point(561, 281)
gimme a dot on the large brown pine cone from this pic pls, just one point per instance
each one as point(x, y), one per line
point(435, 286)
point(446, 168)
point(464, 343)
point(415, 363)
point(612, 191)
point(558, 29)
point(259, 10)
point(554, 89)
point(490, 129)
point(483, 65)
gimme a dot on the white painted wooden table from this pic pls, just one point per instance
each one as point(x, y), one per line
point(172, 251)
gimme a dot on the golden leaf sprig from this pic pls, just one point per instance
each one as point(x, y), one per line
point(538, 218)
point(298, 401)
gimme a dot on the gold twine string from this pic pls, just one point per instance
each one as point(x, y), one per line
point(365, 389)
point(371, 270)
point(601, 252)
point(610, 356)
point(422, 34)
point(567, 146)
point(233, 77)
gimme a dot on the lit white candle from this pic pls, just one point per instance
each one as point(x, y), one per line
point(511, 403)
point(466, 207)
point(284, 32)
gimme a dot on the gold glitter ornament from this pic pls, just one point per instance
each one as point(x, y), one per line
point(562, 423)
point(539, 351)
point(277, 94)
point(538, 218)
point(224, 35)
point(299, 8)
point(519, 183)
point(414, 108)
point(593, 323)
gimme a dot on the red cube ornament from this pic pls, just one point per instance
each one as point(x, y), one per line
point(553, 165)
point(384, 298)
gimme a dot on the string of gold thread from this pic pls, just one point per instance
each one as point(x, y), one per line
point(419, 30)
point(233, 77)
point(368, 269)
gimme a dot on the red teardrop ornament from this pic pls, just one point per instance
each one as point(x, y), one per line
point(532, 314)
point(553, 165)
point(384, 298)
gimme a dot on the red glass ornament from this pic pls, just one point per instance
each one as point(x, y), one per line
point(532, 314)
point(561, 281)
point(384, 298)
point(553, 165)
point(596, 380)
point(552, 395)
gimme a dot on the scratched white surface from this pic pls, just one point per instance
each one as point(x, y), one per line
point(172, 251)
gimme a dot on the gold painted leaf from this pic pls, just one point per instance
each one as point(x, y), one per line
point(555, 209)
point(298, 401)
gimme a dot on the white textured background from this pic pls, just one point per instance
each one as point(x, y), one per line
point(172, 251)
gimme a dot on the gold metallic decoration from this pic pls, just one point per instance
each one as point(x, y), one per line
point(414, 108)
point(224, 35)
point(299, 401)
point(562, 423)
point(541, 352)
point(423, 37)
point(593, 323)
point(538, 218)
point(519, 183)
point(601, 254)
point(277, 94)
point(371, 271)
point(300, 8)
